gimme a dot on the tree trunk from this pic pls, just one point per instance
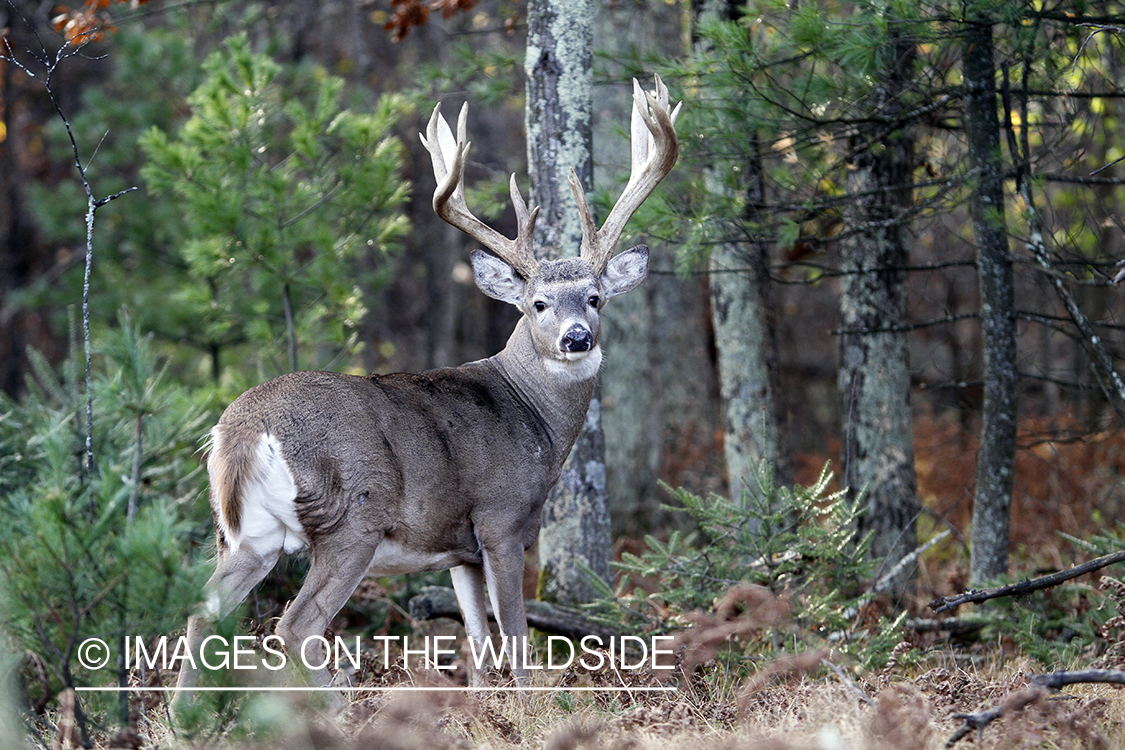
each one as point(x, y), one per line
point(575, 535)
point(992, 504)
point(653, 388)
point(19, 255)
point(742, 316)
point(874, 375)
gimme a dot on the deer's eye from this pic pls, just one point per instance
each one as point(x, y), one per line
point(539, 305)
point(594, 301)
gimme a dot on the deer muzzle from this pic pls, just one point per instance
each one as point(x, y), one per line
point(576, 339)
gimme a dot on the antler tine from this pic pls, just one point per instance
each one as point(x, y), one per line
point(654, 150)
point(448, 157)
point(525, 220)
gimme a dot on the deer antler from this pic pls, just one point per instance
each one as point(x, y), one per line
point(448, 157)
point(655, 149)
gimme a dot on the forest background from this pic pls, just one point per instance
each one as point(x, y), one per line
point(888, 245)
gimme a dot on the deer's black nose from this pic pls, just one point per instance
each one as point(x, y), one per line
point(577, 339)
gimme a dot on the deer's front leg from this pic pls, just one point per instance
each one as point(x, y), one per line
point(503, 567)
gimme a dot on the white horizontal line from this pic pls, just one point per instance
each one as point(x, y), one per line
point(400, 689)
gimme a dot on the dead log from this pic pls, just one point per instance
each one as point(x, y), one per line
point(951, 625)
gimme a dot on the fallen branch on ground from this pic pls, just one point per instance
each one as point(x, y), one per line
point(952, 625)
point(1017, 701)
point(439, 601)
point(1025, 586)
point(847, 682)
point(1057, 680)
point(1022, 699)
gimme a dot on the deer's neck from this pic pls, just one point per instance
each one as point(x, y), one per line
point(559, 391)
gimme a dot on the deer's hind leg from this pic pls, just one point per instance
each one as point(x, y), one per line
point(338, 566)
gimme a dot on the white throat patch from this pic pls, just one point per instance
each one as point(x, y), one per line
point(577, 366)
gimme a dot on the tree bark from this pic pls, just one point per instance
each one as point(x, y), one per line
point(874, 374)
point(742, 316)
point(575, 535)
point(653, 388)
point(19, 255)
point(995, 462)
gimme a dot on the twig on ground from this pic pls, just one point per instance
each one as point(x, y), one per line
point(942, 603)
point(848, 682)
point(1060, 679)
point(1017, 701)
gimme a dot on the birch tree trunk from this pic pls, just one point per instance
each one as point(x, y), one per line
point(575, 535)
point(993, 501)
point(874, 375)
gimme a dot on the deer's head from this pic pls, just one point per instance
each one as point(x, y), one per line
point(560, 299)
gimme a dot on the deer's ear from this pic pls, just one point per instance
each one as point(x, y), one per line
point(496, 278)
point(625, 271)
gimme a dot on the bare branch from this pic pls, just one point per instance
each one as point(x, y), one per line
point(885, 581)
point(941, 604)
point(50, 63)
point(1060, 679)
point(102, 201)
point(848, 683)
point(1017, 701)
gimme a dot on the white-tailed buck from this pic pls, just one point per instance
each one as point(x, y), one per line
point(442, 469)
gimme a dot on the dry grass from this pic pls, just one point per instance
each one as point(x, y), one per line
point(788, 705)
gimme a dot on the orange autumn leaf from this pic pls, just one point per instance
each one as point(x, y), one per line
point(90, 23)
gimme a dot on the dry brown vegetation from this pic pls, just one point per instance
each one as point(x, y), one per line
point(794, 708)
point(933, 692)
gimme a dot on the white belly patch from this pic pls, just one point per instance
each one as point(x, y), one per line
point(269, 512)
point(391, 558)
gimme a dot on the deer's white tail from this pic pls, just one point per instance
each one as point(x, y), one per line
point(253, 494)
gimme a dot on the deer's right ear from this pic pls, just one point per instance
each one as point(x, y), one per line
point(496, 278)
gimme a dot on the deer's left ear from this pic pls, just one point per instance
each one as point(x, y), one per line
point(625, 271)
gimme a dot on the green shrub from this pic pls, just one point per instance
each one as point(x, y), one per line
point(796, 543)
point(291, 204)
point(102, 556)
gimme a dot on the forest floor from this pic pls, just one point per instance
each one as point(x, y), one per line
point(787, 705)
